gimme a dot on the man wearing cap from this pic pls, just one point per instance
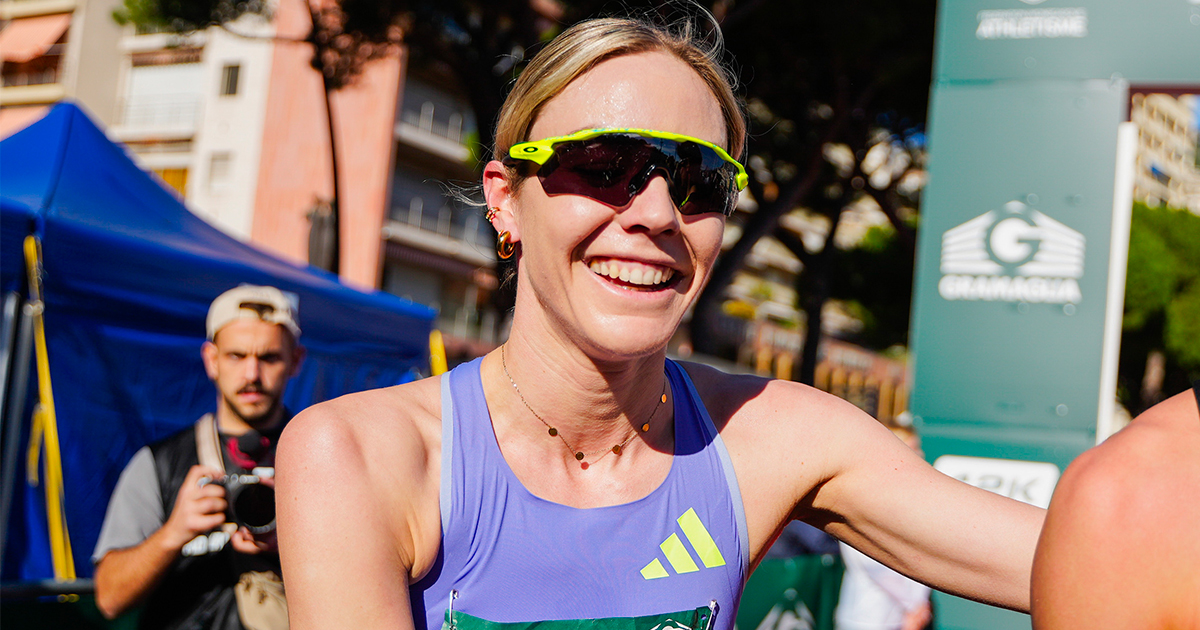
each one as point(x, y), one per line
point(165, 539)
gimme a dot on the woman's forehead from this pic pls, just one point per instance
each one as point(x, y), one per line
point(650, 90)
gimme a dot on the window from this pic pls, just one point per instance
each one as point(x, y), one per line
point(229, 79)
point(33, 49)
point(175, 178)
point(163, 95)
point(219, 170)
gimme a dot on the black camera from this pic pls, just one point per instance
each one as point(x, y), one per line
point(251, 502)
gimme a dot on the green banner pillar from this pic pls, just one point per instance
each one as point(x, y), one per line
point(1013, 288)
point(1021, 255)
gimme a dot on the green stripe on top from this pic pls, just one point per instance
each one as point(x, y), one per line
point(698, 619)
point(701, 540)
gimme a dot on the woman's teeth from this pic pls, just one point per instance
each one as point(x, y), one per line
point(632, 273)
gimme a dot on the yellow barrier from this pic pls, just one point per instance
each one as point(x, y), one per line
point(437, 353)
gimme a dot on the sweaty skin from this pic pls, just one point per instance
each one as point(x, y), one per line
point(589, 353)
point(1121, 545)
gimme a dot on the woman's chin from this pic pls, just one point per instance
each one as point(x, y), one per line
point(622, 337)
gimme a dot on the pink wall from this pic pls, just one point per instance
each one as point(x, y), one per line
point(14, 119)
point(295, 166)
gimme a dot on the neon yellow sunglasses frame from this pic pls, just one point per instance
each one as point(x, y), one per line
point(538, 151)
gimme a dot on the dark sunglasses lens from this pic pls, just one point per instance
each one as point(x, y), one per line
point(705, 182)
point(614, 167)
point(600, 168)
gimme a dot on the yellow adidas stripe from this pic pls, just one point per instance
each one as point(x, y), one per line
point(654, 570)
point(678, 556)
point(701, 540)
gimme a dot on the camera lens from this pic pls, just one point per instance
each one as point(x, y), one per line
point(254, 506)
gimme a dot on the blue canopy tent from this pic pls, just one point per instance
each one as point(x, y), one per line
point(128, 276)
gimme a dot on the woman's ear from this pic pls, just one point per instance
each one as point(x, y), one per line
point(501, 200)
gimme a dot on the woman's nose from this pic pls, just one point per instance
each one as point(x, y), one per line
point(653, 207)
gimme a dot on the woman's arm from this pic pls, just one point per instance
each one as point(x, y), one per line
point(800, 453)
point(952, 536)
point(344, 540)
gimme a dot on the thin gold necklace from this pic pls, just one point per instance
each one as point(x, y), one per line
point(579, 456)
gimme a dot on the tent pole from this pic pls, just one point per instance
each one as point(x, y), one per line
point(45, 423)
point(14, 388)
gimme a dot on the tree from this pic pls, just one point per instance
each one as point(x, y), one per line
point(842, 74)
point(875, 279)
point(1161, 324)
point(873, 275)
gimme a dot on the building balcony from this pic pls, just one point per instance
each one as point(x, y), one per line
point(32, 94)
point(426, 139)
point(36, 80)
point(436, 122)
point(423, 207)
point(41, 71)
point(13, 9)
point(172, 117)
point(465, 245)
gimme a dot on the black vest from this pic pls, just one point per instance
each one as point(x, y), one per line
point(197, 591)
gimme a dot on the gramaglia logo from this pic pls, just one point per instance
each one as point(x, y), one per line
point(1017, 255)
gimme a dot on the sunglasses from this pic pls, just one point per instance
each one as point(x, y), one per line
point(612, 166)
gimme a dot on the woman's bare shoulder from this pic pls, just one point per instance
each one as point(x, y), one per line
point(787, 441)
point(773, 426)
point(1150, 460)
point(378, 451)
point(358, 431)
point(753, 403)
point(1116, 507)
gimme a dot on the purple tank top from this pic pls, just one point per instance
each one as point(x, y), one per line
point(515, 557)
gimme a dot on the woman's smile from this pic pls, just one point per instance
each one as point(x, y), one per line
point(633, 275)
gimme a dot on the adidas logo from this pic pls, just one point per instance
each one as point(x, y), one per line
point(677, 554)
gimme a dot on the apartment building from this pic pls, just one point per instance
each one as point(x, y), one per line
point(56, 49)
point(192, 108)
point(439, 249)
point(1167, 164)
point(234, 119)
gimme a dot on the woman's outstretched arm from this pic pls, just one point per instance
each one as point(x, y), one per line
point(803, 454)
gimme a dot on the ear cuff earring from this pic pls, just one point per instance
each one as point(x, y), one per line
point(491, 213)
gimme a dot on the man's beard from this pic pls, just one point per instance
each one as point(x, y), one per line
point(255, 419)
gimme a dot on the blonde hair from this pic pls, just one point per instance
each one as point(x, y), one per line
point(588, 43)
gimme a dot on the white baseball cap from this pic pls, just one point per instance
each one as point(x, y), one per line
point(248, 301)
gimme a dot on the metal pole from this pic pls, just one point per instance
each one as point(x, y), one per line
point(8, 336)
point(29, 590)
point(12, 413)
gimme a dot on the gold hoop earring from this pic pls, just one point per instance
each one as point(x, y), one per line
point(491, 213)
point(505, 247)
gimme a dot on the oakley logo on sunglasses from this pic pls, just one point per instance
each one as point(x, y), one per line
point(613, 165)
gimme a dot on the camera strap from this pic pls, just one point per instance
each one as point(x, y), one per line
point(208, 443)
point(260, 597)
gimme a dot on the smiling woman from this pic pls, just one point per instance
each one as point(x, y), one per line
point(558, 478)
